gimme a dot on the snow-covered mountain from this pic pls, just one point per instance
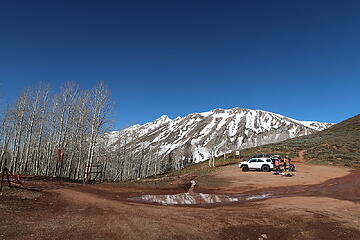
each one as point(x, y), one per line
point(195, 136)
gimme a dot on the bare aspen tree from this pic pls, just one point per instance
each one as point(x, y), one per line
point(120, 156)
point(212, 149)
point(77, 134)
point(66, 99)
point(156, 166)
point(34, 100)
point(130, 154)
point(123, 158)
point(44, 94)
point(52, 124)
point(5, 133)
point(211, 157)
point(101, 106)
point(142, 153)
point(83, 130)
point(18, 114)
point(150, 158)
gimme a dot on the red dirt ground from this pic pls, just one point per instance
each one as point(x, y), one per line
point(319, 202)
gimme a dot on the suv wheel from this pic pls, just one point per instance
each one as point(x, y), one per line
point(265, 168)
point(245, 168)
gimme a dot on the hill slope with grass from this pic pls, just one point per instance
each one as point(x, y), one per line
point(337, 145)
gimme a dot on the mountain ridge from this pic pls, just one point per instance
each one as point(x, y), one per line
point(176, 143)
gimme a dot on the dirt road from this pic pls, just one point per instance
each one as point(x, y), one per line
point(319, 202)
point(231, 179)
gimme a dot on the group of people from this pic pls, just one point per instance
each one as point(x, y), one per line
point(283, 165)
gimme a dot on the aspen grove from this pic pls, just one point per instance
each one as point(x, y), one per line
point(56, 134)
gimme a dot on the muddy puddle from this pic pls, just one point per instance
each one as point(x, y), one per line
point(198, 198)
point(192, 198)
point(344, 188)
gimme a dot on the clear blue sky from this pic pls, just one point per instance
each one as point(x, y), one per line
point(297, 58)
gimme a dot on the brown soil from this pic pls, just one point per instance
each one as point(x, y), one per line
point(319, 202)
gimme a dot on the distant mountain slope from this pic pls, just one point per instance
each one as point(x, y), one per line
point(191, 139)
point(339, 144)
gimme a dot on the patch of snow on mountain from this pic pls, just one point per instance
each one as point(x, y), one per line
point(201, 154)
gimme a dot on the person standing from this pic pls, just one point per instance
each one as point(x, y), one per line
point(286, 160)
point(277, 165)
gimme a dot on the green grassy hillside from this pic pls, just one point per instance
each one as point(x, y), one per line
point(338, 145)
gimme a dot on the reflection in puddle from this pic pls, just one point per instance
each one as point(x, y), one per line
point(197, 198)
point(191, 198)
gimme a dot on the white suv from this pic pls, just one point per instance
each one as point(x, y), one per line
point(263, 163)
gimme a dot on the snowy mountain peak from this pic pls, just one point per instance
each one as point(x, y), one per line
point(163, 119)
